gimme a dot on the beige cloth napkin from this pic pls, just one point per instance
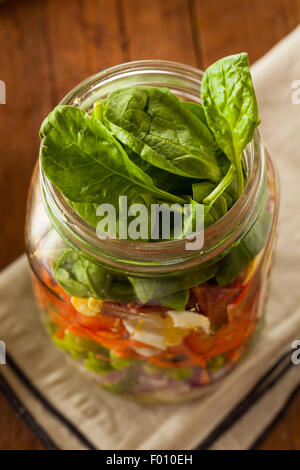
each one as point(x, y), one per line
point(69, 413)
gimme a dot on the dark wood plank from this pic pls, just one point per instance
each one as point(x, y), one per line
point(93, 44)
point(227, 27)
point(286, 433)
point(15, 434)
point(102, 30)
point(23, 66)
point(156, 29)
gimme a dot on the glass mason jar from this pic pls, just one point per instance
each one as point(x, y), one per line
point(117, 329)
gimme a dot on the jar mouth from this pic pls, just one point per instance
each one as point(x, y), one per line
point(165, 256)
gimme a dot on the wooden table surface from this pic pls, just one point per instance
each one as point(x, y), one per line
point(49, 46)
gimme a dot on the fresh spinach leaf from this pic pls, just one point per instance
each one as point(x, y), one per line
point(197, 110)
point(120, 290)
point(205, 191)
point(202, 189)
point(79, 277)
point(154, 289)
point(98, 109)
point(216, 199)
point(222, 201)
point(177, 301)
point(157, 127)
point(230, 107)
point(223, 162)
point(143, 142)
point(177, 221)
point(87, 211)
point(171, 183)
point(87, 164)
point(221, 187)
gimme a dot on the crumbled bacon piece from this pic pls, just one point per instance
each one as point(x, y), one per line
point(212, 301)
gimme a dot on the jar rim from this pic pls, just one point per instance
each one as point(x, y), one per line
point(164, 256)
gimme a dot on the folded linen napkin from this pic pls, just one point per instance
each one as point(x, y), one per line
point(68, 413)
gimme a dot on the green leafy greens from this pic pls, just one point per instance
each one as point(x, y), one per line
point(144, 143)
point(86, 163)
point(230, 107)
point(154, 289)
point(82, 278)
point(156, 126)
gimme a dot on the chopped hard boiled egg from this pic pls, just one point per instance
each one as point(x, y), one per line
point(189, 320)
point(147, 330)
point(162, 333)
point(89, 307)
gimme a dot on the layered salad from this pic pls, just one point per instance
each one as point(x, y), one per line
point(165, 336)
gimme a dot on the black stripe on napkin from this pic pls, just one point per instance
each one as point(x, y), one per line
point(264, 384)
point(47, 405)
point(22, 411)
